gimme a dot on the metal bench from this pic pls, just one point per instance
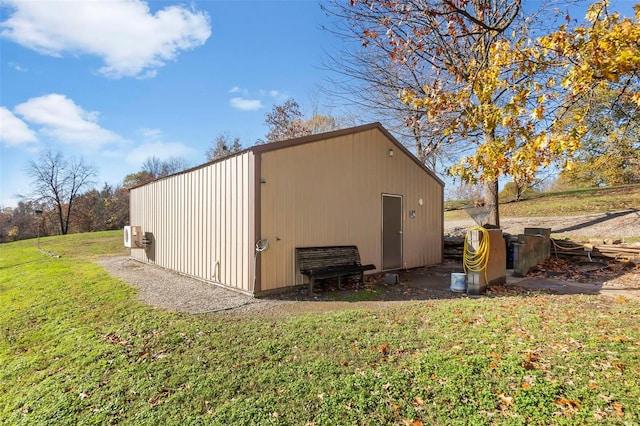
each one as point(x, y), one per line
point(330, 262)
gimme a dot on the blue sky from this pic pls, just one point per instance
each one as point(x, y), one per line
point(115, 82)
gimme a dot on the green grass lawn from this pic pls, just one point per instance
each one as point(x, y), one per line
point(566, 203)
point(77, 348)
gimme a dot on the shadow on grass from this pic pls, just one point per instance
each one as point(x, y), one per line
point(15, 265)
point(599, 220)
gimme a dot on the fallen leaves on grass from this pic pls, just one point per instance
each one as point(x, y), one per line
point(618, 408)
point(506, 400)
point(116, 339)
point(567, 403)
point(504, 290)
point(613, 409)
point(567, 406)
point(156, 400)
point(495, 360)
point(618, 365)
point(531, 361)
point(384, 348)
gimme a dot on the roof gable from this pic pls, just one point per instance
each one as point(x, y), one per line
point(257, 149)
point(273, 146)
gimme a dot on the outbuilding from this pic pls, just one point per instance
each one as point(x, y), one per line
point(237, 221)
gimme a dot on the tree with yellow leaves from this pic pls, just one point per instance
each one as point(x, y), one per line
point(603, 61)
point(492, 83)
point(605, 51)
point(610, 153)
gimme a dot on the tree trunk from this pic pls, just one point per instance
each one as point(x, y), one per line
point(67, 219)
point(491, 201)
point(60, 217)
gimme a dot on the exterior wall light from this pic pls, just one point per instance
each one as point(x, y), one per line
point(390, 152)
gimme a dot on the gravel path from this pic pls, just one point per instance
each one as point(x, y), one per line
point(167, 289)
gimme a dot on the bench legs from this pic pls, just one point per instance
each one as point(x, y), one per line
point(312, 281)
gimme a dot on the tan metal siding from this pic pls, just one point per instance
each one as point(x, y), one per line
point(329, 192)
point(202, 222)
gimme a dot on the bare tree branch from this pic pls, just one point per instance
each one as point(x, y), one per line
point(57, 182)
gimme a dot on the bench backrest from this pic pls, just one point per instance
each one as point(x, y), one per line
point(321, 257)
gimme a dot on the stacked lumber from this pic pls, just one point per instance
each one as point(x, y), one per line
point(619, 251)
point(453, 247)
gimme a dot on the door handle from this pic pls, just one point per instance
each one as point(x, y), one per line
point(400, 232)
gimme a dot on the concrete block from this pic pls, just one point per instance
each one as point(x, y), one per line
point(543, 232)
point(533, 247)
point(391, 279)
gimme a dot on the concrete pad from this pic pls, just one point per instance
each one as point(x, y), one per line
point(438, 279)
point(555, 286)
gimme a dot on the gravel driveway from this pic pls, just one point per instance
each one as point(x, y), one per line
point(614, 225)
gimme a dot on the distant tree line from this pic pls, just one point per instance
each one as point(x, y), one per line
point(94, 210)
point(62, 199)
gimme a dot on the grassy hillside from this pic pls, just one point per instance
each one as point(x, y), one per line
point(76, 347)
point(566, 203)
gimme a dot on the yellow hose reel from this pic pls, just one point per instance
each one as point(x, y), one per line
point(476, 260)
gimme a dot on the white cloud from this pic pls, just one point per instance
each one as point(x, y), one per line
point(278, 96)
point(162, 150)
point(244, 104)
point(60, 118)
point(150, 134)
point(130, 39)
point(240, 90)
point(14, 131)
point(17, 67)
